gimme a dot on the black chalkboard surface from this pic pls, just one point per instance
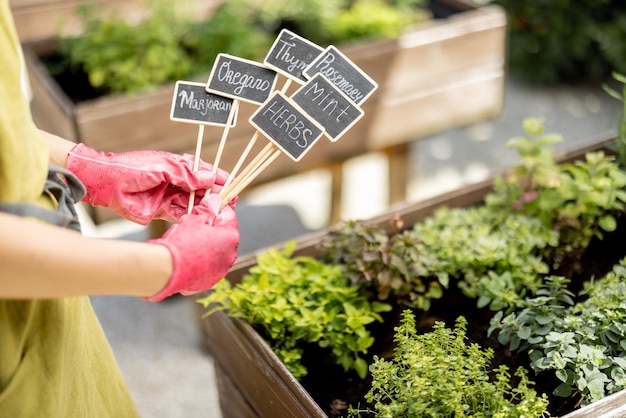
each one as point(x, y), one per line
point(325, 103)
point(343, 73)
point(286, 125)
point(191, 103)
point(241, 79)
point(291, 54)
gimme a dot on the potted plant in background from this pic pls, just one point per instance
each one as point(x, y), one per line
point(417, 71)
point(509, 255)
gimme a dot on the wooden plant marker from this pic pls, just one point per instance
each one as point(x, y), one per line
point(289, 129)
point(191, 103)
point(343, 73)
point(330, 107)
point(241, 79)
point(289, 55)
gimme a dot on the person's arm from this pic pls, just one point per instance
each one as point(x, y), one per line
point(58, 148)
point(42, 261)
point(138, 185)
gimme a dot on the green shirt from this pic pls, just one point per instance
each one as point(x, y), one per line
point(55, 360)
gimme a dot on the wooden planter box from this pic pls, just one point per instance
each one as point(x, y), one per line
point(253, 382)
point(37, 20)
point(445, 73)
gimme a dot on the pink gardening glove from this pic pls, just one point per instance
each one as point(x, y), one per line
point(203, 246)
point(143, 185)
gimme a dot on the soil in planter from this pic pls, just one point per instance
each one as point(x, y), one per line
point(335, 390)
point(74, 83)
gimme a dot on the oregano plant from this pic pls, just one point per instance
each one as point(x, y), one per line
point(439, 374)
point(296, 300)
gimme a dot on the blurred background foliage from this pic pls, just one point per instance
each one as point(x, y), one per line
point(565, 40)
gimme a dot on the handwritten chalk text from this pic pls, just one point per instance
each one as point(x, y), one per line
point(240, 80)
point(334, 75)
point(284, 119)
point(187, 100)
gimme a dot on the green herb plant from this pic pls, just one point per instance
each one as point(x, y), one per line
point(327, 22)
point(376, 19)
point(438, 374)
point(583, 344)
point(296, 300)
point(119, 56)
point(383, 262)
point(578, 199)
point(491, 258)
point(495, 259)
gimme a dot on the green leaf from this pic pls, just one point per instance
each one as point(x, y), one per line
point(360, 366)
point(607, 223)
point(563, 390)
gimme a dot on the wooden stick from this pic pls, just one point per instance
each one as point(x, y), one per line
point(196, 163)
point(248, 148)
point(286, 86)
point(229, 121)
point(236, 190)
point(242, 158)
point(253, 165)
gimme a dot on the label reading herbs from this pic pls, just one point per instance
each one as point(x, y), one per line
point(287, 126)
point(241, 79)
point(343, 73)
point(291, 54)
point(191, 103)
point(323, 101)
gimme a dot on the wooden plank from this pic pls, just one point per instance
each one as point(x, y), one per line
point(398, 172)
point(478, 95)
point(232, 402)
point(447, 49)
point(612, 406)
point(255, 370)
point(50, 107)
point(44, 19)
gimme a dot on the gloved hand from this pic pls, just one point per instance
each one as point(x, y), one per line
point(143, 185)
point(203, 247)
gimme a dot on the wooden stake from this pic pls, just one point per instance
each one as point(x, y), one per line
point(196, 163)
point(240, 186)
point(242, 158)
point(220, 150)
point(254, 164)
point(248, 148)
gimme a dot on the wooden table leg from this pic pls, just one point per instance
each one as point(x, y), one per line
point(336, 171)
point(398, 169)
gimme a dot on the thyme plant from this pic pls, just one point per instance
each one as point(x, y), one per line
point(437, 374)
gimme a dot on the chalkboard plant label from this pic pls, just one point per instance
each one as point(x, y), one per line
point(291, 54)
point(325, 103)
point(287, 126)
point(343, 73)
point(241, 79)
point(191, 103)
